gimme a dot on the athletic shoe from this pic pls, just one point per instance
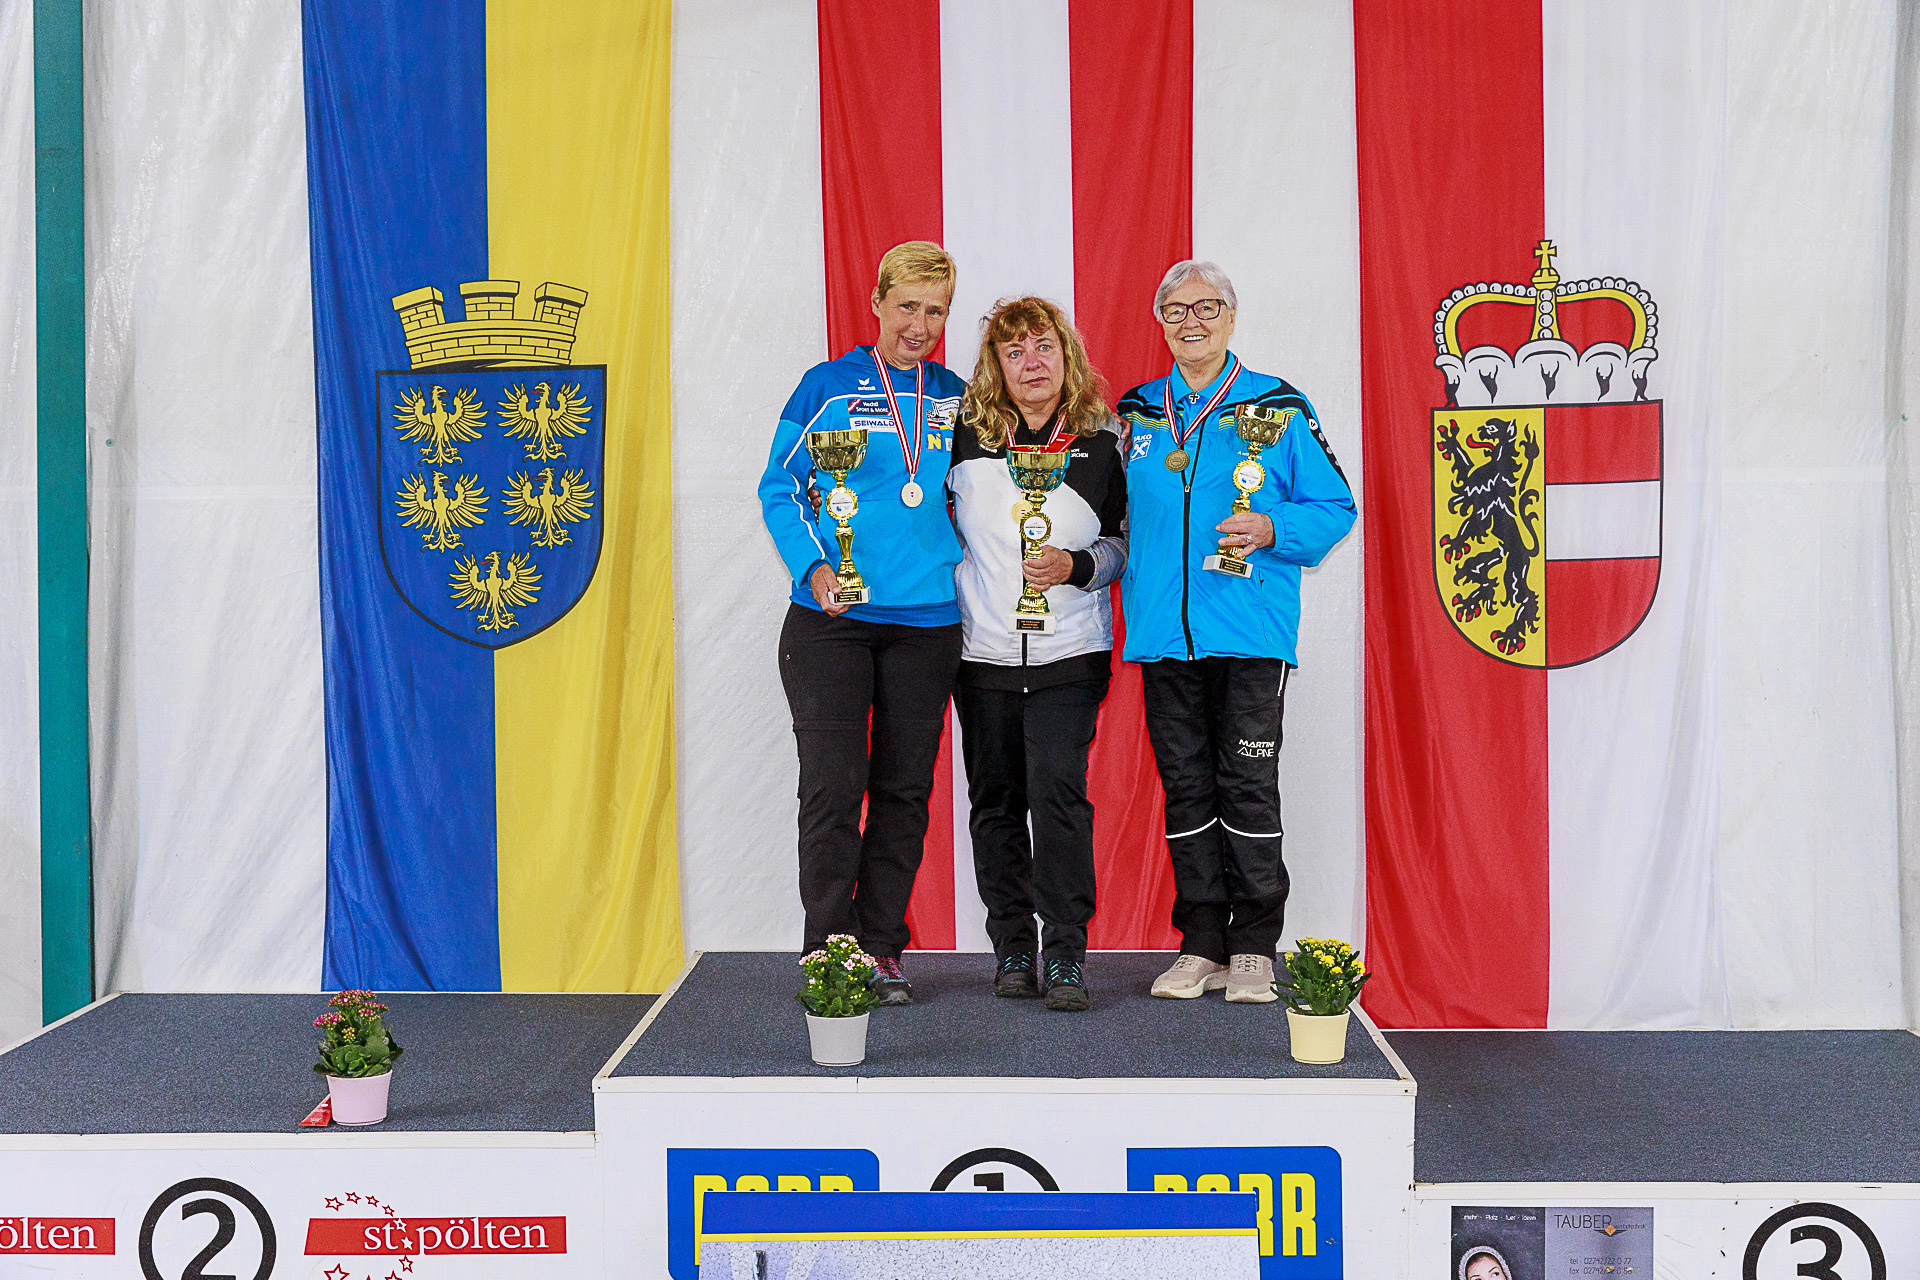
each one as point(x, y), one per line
point(888, 984)
point(1190, 977)
point(1066, 986)
point(1250, 980)
point(1013, 977)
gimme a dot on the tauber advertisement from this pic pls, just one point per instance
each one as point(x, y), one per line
point(1752, 1232)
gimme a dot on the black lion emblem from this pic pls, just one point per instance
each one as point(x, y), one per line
point(1493, 501)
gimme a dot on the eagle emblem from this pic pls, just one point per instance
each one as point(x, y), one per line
point(547, 512)
point(444, 429)
point(493, 597)
point(440, 515)
point(544, 425)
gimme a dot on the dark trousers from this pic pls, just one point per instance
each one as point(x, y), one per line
point(846, 680)
point(1215, 728)
point(1026, 757)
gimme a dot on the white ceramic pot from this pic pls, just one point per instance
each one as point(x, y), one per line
point(1318, 1038)
point(359, 1099)
point(838, 1042)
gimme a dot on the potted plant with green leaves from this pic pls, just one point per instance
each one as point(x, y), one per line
point(357, 1057)
point(837, 999)
point(1320, 981)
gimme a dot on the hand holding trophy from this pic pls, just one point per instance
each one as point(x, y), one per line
point(1036, 472)
point(1259, 427)
point(839, 452)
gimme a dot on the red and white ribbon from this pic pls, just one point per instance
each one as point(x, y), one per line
point(910, 452)
point(1173, 423)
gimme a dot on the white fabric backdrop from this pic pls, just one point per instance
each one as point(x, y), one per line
point(209, 771)
point(19, 592)
point(209, 765)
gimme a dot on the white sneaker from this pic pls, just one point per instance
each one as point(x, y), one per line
point(1250, 980)
point(1190, 977)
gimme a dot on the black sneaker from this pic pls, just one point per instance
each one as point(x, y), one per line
point(1014, 977)
point(1066, 986)
point(888, 984)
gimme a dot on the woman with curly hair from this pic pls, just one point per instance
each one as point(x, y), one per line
point(1028, 700)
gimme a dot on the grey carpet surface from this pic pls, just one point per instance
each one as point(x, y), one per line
point(1664, 1106)
point(243, 1064)
point(735, 1015)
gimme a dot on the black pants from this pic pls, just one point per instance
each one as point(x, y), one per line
point(845, 678)
point(1215, 728)
point(1026, 755)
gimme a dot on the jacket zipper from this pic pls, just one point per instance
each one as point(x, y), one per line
point(1186, 530)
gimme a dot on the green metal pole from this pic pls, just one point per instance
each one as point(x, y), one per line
point(66, 839)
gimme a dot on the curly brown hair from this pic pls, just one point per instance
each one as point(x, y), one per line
point(1083, 392)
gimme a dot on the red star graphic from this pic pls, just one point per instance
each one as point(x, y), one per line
point(335, 1272)
point(390, 1212)
point(351, 1196)
point(374, 1201)
point(333, 1202)
point(406, 1264)
point(392, 1275)
point(402, 1224)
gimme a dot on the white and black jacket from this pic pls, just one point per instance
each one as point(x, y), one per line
point(1089, 514)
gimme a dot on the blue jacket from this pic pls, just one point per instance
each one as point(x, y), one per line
point(905, 554)
point(1175, 608)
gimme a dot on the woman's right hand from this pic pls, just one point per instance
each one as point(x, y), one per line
point(824, 584)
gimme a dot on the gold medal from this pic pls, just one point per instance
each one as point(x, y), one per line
point(1177, 460)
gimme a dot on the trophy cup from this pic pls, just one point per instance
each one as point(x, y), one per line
point(840, 452)
point(1036, 472)
point(1260, 427)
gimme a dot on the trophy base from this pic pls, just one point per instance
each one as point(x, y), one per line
point(1232, 566)
point(1033, 624)
point(852, 595)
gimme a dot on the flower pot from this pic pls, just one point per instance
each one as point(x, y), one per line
point(359, 1099)
point(1319, 1038)
point(838, 1042)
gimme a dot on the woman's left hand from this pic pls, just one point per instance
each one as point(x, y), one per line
point(1249, 530)
point(1050, 569)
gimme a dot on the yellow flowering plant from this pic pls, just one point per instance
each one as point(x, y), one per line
point(1322, 976)
point(837, 977)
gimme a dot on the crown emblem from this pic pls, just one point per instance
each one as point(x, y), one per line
point(1545, 342)
point(491, 337)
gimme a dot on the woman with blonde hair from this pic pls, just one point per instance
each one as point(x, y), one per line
point(867, 682)
point(1028, 700)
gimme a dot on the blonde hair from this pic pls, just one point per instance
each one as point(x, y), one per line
point(915, 262)
point(1083, 392)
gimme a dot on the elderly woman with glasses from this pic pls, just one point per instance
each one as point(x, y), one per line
point(1213, 610)
point(1029, 699)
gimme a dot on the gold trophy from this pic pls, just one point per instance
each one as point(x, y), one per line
point(1036, 472)
point(840, 452)
point(1260, 427)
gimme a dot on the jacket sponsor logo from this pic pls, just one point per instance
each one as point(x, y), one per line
point(694, 1171)
point(56, 1235)
point(1142, 446)
point(1546, 464)
point(1301, 1236)
point(491, 463)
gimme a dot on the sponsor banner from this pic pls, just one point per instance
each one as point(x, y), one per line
point(314, 1208)
point(1329, 1200)
point(1704, 1231)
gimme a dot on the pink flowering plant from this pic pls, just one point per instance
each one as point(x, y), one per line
point(837, 977)
point(1323, 976)
point(358, 1041)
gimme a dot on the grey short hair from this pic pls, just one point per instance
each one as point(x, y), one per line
point(1181, 272)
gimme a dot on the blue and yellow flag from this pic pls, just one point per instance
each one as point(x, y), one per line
point(487, 186)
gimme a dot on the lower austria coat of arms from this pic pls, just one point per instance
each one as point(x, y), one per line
point(492, 453)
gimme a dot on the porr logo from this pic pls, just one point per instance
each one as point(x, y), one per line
point(694, 1171)
point(1297, 1191)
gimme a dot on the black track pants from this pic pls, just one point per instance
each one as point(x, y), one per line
point(1026, 754)
point(1215, 728)
point(837, 672)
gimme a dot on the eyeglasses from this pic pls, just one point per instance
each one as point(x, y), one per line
point(1205, 309)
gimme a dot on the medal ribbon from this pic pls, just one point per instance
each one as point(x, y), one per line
point(910, 452)
point(1173, 423)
